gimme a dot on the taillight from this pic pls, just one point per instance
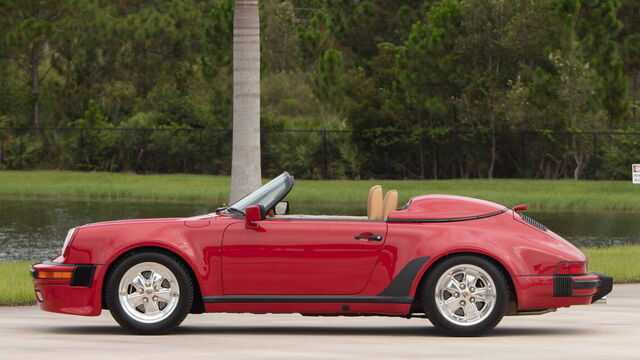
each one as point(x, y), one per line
point(572, 268)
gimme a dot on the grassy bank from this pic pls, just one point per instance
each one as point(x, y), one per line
point(16, 287)
point(621, 262)
point(539, 194)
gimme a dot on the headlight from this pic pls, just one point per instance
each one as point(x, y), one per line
point(67, 239)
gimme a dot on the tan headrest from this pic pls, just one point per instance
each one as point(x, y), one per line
point(390, 203)
point(374, 203)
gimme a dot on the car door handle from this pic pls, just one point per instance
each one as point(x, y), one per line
point(376, 237)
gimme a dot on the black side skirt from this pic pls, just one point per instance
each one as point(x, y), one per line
point(298, 299)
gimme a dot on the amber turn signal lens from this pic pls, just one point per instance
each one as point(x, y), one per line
point(55, 274)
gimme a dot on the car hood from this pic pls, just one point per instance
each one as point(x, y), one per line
point(198, 221)
point(132, 222)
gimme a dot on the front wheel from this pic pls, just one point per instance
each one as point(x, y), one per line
point(465, 295)
point(149, 292)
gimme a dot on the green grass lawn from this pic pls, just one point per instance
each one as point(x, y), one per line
point(538, 194)
point(16, 287)
point(621, 262)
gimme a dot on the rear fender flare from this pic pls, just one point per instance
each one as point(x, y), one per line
point(424, 271)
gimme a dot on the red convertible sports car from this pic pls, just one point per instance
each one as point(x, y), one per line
point(462, 263)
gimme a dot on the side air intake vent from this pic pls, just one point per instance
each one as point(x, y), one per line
point(83, 275)
point(533, 222)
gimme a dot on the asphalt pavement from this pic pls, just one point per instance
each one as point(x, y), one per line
point(610, 331)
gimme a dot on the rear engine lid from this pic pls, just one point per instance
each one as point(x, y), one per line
point(445, 207)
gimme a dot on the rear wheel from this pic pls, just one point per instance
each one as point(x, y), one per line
point(465, 295)
point(149, 292)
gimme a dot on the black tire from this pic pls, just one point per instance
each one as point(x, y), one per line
point(492, 317)
point(175, 316)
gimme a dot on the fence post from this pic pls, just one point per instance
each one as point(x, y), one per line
point(595, 156)
point(82, 155)
point(327, 156)
point(201, 150)
point(142, 154)
point(43, 151)
point(21, 150)
point(421, 154)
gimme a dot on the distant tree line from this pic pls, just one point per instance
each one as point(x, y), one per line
point(410, 79)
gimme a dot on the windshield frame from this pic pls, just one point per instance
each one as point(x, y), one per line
point(265, 190)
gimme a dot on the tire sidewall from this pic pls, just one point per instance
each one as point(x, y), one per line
point(440, 321)
point(182, 308)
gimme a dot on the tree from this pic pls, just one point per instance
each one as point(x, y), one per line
point(359, 26)
point(327, 87)
point(632, 65)
point(245, 158)
point(30, 27)
point(427, 75)
point(326, 79)
point(315, 38)
point(216, 60)
point(487, 68)
point(160, 43)
point(598, 28)
point(279, 40)
point(372, 105)
point(629, 13)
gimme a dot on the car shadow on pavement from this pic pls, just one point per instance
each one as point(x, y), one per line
point(319, 330)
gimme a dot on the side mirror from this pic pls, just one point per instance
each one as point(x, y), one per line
point(282, 208)
point(252, 214)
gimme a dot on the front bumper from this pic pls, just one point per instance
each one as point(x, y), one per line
point(80, 295)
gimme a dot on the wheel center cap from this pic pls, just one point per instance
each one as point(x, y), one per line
point(465, 294)
point(148, 291)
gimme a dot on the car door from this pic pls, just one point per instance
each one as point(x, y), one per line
point(301, 256)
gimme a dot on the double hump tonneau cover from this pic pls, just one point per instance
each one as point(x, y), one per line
point(443, 207)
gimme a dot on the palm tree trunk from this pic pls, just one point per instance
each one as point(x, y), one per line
point(245, 159)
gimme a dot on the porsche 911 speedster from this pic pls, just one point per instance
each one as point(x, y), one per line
point(462, 263)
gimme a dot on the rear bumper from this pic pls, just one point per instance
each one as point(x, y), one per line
point(575, 285)
point(554, 291)
point(604, 288)
point(80, 295)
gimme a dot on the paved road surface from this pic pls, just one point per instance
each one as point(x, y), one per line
point(610, 331)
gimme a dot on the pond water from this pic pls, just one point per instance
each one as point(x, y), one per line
point(34, 229)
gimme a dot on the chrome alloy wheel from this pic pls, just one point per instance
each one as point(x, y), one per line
point(465, 295)
point(148, 292)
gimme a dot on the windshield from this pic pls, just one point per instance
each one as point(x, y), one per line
point(268, 195)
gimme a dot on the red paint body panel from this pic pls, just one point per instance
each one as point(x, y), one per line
point(307, 257)
point(299, 257)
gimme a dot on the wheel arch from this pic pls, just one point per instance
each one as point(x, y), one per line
point(428, 267)
point(198, 305)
